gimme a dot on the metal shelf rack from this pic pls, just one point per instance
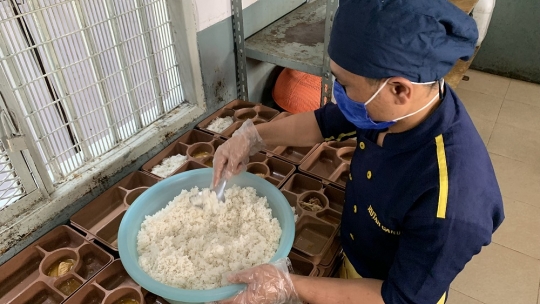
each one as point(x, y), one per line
point(299, 41)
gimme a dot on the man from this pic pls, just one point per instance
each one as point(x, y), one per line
point(422, 198)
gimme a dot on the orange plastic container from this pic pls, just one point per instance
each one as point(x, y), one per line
point(297, 92)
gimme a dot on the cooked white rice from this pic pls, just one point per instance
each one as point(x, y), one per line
point(295, 214)
point(219, 124)
point(169, 165)
point(187, 247)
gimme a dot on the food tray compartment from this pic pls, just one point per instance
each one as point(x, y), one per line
point(19, 272)
point(103, 213)
point(274, 170)
point(88, 294)
point(293, 155)
point(109, 233)
point(174, 149)
point(111, 286)
point(61, 237)
point(333, 255)
point(313, 237)
point(124, 295)
point(300, 183)
point(190, 165)
point(311, 197)
point(300, 188)
point(330, 271)
point(240, 111)
point(303, 266)
point(151, 298)
point(39, 293)
point(331, 162)
point(197, 146)
point(114, 276)
point(51, 269)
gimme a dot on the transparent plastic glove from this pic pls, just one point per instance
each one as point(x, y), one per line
point(266, 284)
point(232, 157)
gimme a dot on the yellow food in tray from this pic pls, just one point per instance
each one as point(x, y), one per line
point(61, 267)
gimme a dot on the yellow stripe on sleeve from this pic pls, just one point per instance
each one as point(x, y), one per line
point(345, 135)
point(340, 136)
point(443, 177)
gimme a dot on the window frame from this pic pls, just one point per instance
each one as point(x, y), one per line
point(33, 211)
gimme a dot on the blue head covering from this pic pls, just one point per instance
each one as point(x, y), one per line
point(420, 40)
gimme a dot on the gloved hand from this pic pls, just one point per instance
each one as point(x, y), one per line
point(266, 284)
point(232, 157)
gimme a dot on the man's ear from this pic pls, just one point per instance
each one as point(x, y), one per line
point(402, 89)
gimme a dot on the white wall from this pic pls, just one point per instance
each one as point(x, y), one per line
point(209, 12)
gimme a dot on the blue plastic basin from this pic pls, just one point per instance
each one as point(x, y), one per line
point(157, 197)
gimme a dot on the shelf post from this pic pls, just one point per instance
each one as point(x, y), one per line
point(326, 85)
point(241, 65)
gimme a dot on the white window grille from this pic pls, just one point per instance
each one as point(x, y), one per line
point(88, 74)
point(11, 187)
point(17, 178)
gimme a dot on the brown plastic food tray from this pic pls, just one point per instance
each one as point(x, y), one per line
point(274, 170)
point(195, 142)
point(198, 146)
point(240, 111)
point(315, 230)
point(25, 279)
point(112, 285)
point(331, 162)
point(101, 218)
point(294, 155)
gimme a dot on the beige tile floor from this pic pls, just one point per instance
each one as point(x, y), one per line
point(506, 113)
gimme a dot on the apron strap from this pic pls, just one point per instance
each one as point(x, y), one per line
point(347, 271)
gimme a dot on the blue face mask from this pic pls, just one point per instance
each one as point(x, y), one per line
point(356, 112)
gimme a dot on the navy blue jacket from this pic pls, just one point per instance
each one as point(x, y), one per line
point(420, 207)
